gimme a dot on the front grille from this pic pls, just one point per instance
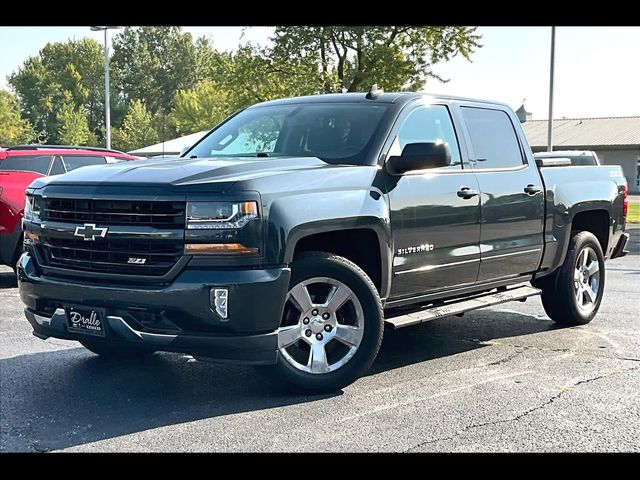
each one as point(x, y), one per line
point(115, 212)
point(150, 244)
point(113, 256)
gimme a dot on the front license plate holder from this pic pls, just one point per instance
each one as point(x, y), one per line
point(86, 320)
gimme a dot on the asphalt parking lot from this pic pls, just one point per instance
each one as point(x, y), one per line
point(502, 379)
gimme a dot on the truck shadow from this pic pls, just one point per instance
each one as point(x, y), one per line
point(58, 399)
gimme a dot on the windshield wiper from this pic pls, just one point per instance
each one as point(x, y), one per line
point(262, 154)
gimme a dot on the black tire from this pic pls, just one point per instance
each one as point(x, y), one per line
point(559, 296)
point(115, 352)
point(320, 264)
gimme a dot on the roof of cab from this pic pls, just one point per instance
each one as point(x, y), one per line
point(387, 97)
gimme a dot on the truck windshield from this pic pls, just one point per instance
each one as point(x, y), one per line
point(333, 132)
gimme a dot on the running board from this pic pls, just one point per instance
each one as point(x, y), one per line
point(461, 306)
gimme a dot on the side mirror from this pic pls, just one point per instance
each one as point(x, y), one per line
point(419, 156)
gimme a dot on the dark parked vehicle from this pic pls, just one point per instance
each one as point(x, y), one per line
point(295, 229)
point(20, 165)
point(581, 158)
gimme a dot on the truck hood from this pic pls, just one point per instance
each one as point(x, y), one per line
point(217, 174)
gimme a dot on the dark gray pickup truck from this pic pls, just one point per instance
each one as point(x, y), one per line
point(292, 232)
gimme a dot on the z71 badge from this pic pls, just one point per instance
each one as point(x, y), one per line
point(425, 247)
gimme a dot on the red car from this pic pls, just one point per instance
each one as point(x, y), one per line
point(22, 164)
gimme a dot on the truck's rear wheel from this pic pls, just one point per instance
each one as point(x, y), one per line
point(575, 294)
point(115, 352)
point(332, 324)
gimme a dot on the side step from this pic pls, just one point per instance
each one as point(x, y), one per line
point(460, 306)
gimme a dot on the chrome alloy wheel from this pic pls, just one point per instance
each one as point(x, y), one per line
point(323, 325)
point(586, 279)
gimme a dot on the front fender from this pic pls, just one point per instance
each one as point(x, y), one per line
point(294, 216)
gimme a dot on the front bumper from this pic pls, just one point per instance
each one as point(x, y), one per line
point(176, 317)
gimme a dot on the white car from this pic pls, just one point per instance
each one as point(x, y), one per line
point(577, 157)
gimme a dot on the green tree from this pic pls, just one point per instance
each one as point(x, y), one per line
point(210, 64)
point(61, 72)
point(151, 63)
point(354, 58)
point(137, 129)
point(13, 128)
point(252, 75)
point(73, 127)
point(200, 108)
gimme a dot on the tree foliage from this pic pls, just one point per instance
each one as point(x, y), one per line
point(163, 83)
point(200, 108)
point(73, 127)
point(151, 63)
point(71, 71)
point(353, 58)
point(137, 129)
point(253, 75)
point(13, 128)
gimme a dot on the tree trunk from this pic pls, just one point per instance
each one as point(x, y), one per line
point(323, 61)
point(357, 78)
point(355, 83)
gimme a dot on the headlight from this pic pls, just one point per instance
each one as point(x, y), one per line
point(31, 213)
point(219, 215)
point(223, 228)
point(32, 207)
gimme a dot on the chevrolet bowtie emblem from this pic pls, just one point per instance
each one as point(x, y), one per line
point(89, 232)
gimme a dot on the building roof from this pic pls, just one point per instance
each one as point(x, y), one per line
point(585, 132)
point(170, 147)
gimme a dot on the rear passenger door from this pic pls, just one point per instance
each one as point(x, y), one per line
point(512, 197)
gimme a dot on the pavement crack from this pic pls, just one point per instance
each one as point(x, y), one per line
point(506, 359)
point(521, 415)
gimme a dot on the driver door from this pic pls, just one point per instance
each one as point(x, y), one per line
point(435, 213)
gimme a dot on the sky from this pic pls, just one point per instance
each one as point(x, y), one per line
point(596, 68)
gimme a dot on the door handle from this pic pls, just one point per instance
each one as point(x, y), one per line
point(531, 189)
point(466, 193)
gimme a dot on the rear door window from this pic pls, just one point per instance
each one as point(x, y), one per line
point(27, 163)
point(76, 161)
point(493, 138)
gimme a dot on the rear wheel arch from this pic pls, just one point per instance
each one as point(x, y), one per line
point(597, 222)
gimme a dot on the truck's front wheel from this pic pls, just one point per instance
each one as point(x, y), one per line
point(332, 324)
point(574, 294)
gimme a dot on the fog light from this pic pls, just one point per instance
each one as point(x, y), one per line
point(219, 298)
point(30, 238)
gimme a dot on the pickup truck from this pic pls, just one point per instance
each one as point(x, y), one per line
point(296, 229)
